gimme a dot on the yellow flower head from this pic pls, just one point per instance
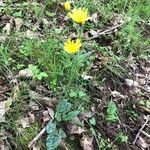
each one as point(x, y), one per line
point(72, 46)
point(79, 15)
point(67, 5)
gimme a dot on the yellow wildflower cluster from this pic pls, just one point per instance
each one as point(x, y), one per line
point(80, 16)
point(72, 46)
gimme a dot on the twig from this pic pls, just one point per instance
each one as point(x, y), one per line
point(145, 133)
point(105, 31)
point(5, 90)
point(62, 144)
point(37, 137)
point(137, 136)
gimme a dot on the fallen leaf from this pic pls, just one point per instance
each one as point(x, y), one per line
point(2, 111)
point(93, 32)
point(1, 3)
point(7, 28)
point(87, 143)
point(26, 73)
point(94, 18)
point(131, 83)
point(31, 117)
point(18, 23)
point(46, 117)
point(74, 129)
point(25, 122)
point(30, 34)
point(117, 94)
point(85, 76)
point(3, 146)
point(33, 105)
point(3, 38)
point(142, 143)
point(8, 103)
point(35, 148)
point(51, 112)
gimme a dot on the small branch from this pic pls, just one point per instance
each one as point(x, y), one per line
point(62, 144)
point(110, 30)
point(146, 134)
point(143, 126)
point(37, 137)
point(5, 90)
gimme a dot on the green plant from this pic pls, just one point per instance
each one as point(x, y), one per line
point(56, 134)
point(4, 55)
point(111, 112)
point(37, 74)
point(121, 138)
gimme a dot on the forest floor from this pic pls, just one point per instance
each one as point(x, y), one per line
point(95, 99)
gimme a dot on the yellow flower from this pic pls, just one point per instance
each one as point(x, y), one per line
point(72, 46)
point(67, 5)
point(79, 15)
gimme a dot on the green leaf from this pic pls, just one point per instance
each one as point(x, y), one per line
point(72, 93)
point(51, 127)
point(70, 115)
point(53, 140)
point(122, 138)
point(92, 121)
point(112, 112)
point(44, 74)
point(17, 14)
point(58, 116)
point(63, 106)
point(50, 14)
point(62, 133)
point(82, 94)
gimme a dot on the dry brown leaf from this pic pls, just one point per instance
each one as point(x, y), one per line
point(2, 111)
point(3, 38)
point(25, 122)
point(141, 143)
point(46, 117)
point(94, 18)
point(30, 34)
point(118, 95)
point(51, 112)
point(7, 28)
point(87, 142)
point(1, 3)
point(33, 105)
point(18, 23)
point(3, 146)
point(26, 73)
point(131, 83)
point(93, 32)
point(74, 129)
point(35, 148)
point(85, 76)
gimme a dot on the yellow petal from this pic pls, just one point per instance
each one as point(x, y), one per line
point(67, 5)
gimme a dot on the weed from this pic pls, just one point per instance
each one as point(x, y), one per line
point(121, 138)
point(37, 74)
point(111, 115)
point(56, 134)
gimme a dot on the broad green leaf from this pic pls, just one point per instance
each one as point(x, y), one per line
point(62, 133)
point(63, 106)
point(51, 127)
point(70, 115)
point(53, 140)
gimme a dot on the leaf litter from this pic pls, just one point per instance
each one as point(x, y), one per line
point(44, 105)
